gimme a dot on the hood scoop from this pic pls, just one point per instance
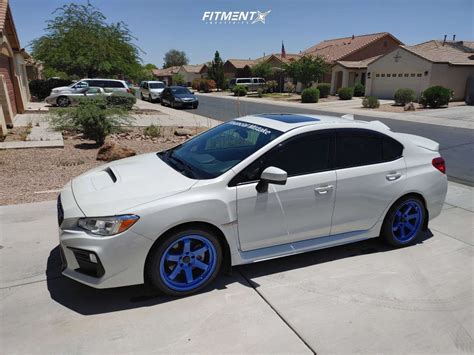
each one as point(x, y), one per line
point(103, 178)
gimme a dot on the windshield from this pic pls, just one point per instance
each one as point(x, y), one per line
point(217, 150)
point(180, 91)
point(157, 85)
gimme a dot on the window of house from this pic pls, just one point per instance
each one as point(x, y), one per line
point(388, 75)
point(412, 75)
point(406, 75)
point(383, 75)
point(418, 75)
point(400, 75)
point(394, 75)
point(377, 75)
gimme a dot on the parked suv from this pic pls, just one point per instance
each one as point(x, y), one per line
point(107, 84)
point(151, 90)
point(251, 84)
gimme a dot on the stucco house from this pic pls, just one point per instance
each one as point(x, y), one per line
point(14, 90)
point(435, 62)
point(238, 68)
point(349, 56)
point(189, 73)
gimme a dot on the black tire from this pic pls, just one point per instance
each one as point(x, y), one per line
point(142, 97)
point(195, 106)
point(63, 101)
point(390, 225)
point(172, 105)
point(153, 275)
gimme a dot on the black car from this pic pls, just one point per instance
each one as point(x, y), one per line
point(178, 96)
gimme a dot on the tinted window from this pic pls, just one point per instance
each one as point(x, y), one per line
point(243, 81)
point(305, 154)
point(97, 83)
point(180, 91)
point(114, 84)
point(358, 147)
point(157, 85)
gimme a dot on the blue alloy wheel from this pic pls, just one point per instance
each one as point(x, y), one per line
point(188, 263)
point(407, 221)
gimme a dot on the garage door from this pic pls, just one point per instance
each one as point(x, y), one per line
point(384, 85)
point(5, 70)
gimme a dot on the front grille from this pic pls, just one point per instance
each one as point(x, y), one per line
point(86, 266)
point(60, 211)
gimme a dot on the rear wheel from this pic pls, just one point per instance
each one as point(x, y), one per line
point(184, 262)
point(404, 222)
point(63, 101)
point(142, 97)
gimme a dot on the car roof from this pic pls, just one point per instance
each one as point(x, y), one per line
point(286, 121)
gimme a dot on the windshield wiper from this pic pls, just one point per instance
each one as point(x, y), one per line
point(187, 168)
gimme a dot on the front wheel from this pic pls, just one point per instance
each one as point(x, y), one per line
point(404, 222)
point(184, 262)
point(63, 101)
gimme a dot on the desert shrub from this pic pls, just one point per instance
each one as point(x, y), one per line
point(310, 95)
point(290, 87)
point(152, 131)
point(260, 92)
point(122, 100)
point(404, 96)
point(324, 90)
point(345, 93)
point(93, 117)
point(239, 90)
point(370, 102)
point(271, 86)
point(196, 84)
point(42, 88)
point(203, 85)
point(436, 96)
point(359, 90)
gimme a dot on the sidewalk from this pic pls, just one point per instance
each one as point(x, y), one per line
point(461, 117)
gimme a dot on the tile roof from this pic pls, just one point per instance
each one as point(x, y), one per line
point(241, 63)
point(193, 68)
point(452, 52)
point(289, 57)
point(3, 13)
point(335, 49)
point(166, 72)
point(357, 64)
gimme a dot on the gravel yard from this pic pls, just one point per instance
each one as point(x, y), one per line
point(25, 174)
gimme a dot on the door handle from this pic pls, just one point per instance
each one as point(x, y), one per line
point(393, 176)
point(323, 189)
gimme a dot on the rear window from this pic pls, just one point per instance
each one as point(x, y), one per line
point(114, 84)
point(243, 81)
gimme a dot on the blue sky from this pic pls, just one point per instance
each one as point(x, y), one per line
point(160, 25)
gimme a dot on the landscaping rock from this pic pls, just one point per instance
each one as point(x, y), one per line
point(409, 107)
point(183, 132)
point(111, 151)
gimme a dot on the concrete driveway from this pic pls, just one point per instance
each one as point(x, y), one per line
point(359, 298)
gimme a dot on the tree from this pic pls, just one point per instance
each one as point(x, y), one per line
point(79, 42)
point(262, 70)
point(307, 69)
point(216, 71)
point(178, 79)
point(175, 58)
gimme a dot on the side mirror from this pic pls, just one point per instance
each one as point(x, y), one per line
point(271, 175)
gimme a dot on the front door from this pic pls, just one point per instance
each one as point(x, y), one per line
point(299, 210)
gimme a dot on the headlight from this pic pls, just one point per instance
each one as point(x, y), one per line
point(177, 99)
point(107, 225)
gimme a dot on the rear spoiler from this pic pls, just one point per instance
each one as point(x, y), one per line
point(421, 141)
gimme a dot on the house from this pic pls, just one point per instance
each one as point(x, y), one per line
point(238, 68)
point(188, 72)
point(349, 56)
point(435, 62)
point(14, 91)
point(34, 68)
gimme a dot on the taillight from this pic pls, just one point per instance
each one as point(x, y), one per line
point(129, 90)
point(439, 164)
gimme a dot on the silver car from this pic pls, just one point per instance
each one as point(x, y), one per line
point(64, 99)
point(109, 85)
point(151, 90)
point(250, 189)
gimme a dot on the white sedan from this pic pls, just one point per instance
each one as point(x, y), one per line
point(250, 189)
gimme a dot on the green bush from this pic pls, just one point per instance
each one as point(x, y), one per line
point(310, 95)
point(324, 90)
point(359, 90)
point(93, 117)
point(290, 87)
point(152, 131)
point(404, 96)
point(122, 100)
point(42, 88)
point(271, 86)
point(345, 93)
point(370, 102)
point(436, 96)
point(239, 90)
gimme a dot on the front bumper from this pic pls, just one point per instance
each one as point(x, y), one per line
point(118, 260)
point(186, 103)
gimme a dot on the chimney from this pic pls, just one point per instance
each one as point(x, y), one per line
point(353, 36)
point(444, 41)
point(454, 38)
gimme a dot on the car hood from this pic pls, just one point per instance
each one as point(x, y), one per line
point(120, 185)
point(158, 91)
point(62, 88)
point(185, 96)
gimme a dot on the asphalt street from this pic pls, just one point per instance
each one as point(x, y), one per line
point(457, 144)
